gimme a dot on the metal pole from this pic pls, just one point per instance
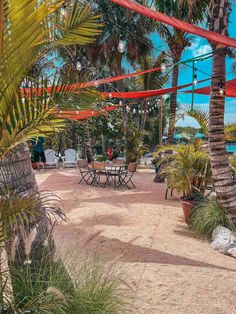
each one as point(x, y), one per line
point(193, 88)
point(160, 121)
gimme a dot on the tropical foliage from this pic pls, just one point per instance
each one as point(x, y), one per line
point(202, 117)
point(29, 32)
point(188, 169)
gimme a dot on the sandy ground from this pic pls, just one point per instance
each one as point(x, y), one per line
point(169, 269)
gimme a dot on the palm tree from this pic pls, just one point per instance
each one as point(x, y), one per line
point(190, 11)
point(29, 31)
point(222, 176)
point(118, 22)
point(36, 29)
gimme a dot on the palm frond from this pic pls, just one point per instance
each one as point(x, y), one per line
point(81, 27)
point(202, 117)
point(17, 210)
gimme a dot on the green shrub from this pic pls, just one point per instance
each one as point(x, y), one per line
point(206, 216)
point(69, 287)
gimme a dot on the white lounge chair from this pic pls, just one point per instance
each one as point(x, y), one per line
point(70, 159)
point(51, 158)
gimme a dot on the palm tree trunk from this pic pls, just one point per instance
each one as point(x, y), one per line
point(144, 116)
point(222, 176)
point(173, 100)
point(87, 141)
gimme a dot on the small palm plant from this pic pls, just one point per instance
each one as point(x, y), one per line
point(188, 168)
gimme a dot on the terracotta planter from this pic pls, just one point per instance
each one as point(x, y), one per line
point(187, 207)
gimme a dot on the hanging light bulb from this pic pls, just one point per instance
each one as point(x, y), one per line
point(64, 11)
point(163, 64)
point(121, 45)
point(221, 90)
point(78, 65)
point(195, 77)
point(139, 111)
point(96, 84)
point(134, 111)
point(110, 95)
point(92, 112)
point(120, 103)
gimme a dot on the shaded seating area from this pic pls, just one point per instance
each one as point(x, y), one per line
point(107, 174)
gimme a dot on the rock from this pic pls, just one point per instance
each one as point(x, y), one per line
point(232, 252)
point(224, 240)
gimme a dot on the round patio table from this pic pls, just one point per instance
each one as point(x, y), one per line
point(114, 172)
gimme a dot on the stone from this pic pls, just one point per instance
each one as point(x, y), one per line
point(223, 240)
point(232, 251)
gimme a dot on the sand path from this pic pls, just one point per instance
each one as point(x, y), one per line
point(169, 269)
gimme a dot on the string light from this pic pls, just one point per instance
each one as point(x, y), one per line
point(221, 90)
point(134, 111)
point(64, 11)
point(121, 45)
point(163, 63)
point(78, 65)
point(120, 103)
point(195, 77)
point(110, 95)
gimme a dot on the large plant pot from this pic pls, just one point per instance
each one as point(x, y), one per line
point(187, 207)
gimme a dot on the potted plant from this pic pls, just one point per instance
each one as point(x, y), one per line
point(188, 171)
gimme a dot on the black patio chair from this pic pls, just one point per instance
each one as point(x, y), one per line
point(87, 174)
point(127, 176)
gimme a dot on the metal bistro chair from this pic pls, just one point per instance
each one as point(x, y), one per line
point(86, 173)
point(100, 171)
point(126, 177)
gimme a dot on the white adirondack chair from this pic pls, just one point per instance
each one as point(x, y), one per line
point(70, 159)
point(51, 158)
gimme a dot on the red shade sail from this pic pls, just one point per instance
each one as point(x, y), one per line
point(184, 26)
point(148, 93)
point(230, 89)
point(84, 114)
point(72, 87)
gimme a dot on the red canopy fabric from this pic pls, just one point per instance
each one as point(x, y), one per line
point(146, 94)
point(84, 114)
point(189, 28)
point(72, 87)
point(230, 89)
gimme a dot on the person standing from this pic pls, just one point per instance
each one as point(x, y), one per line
point(38, 151)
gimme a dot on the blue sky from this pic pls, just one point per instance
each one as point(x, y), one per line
point(201, 46)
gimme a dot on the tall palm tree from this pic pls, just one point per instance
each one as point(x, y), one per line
point(219, 11)
point(190, 11)
point(118, 22)
point(29, 30)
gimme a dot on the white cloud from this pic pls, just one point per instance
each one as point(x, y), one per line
point(198, 48)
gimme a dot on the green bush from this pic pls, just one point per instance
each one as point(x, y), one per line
point(206, 216)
